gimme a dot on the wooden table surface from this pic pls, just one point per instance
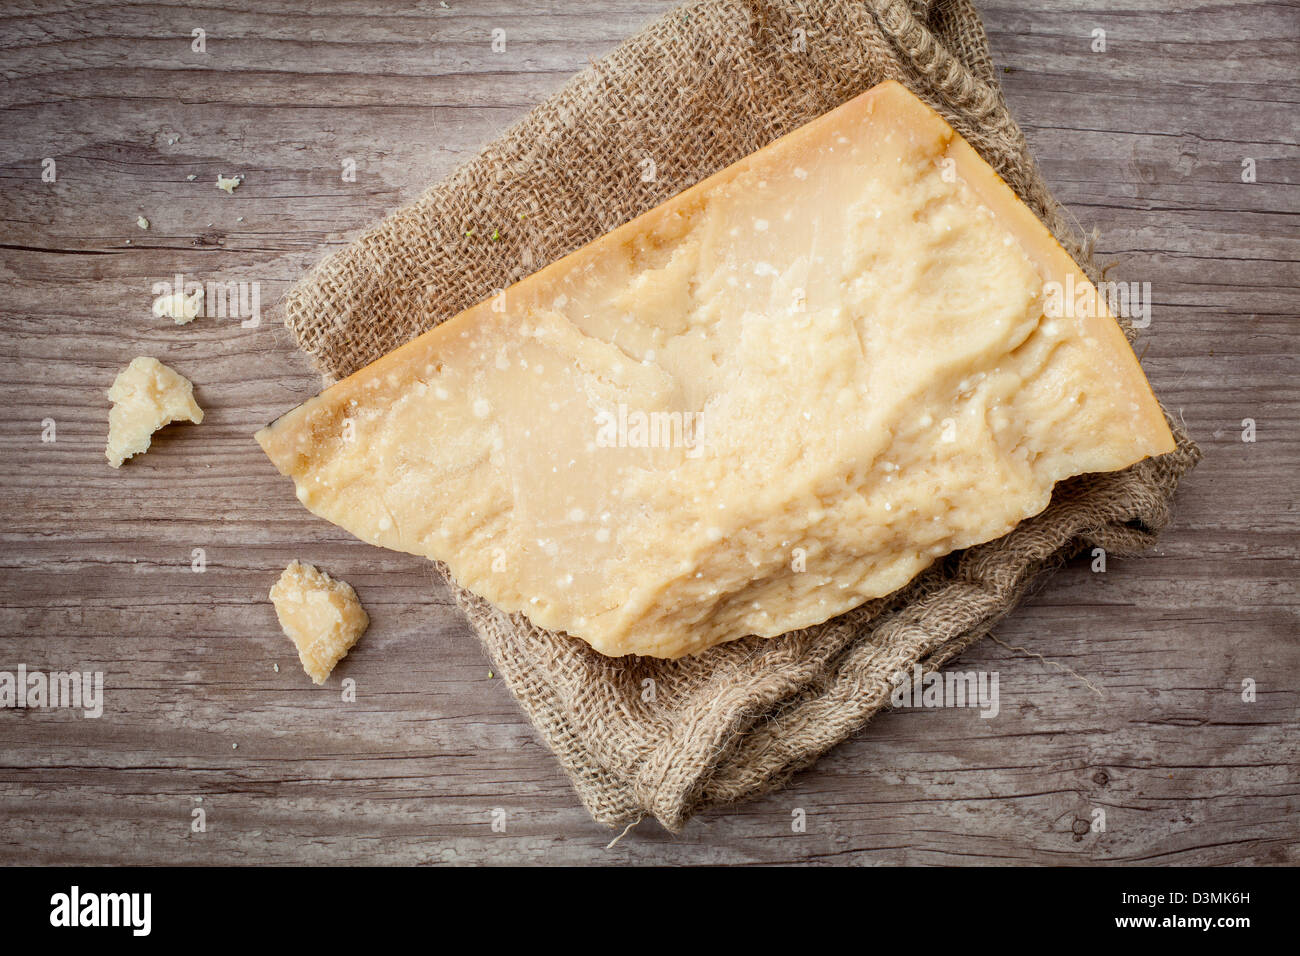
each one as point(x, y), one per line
point(1144, 142)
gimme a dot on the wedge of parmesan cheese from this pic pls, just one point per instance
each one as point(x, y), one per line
point(146, 395)
point(782, 393)
point(321, 616)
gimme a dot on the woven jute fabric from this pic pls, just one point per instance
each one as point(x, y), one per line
point(698, 89)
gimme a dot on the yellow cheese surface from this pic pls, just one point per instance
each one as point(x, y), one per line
point(322, 617)
point(782, 393)
point(146, 395)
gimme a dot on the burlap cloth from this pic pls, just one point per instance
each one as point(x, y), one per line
point(694, 91)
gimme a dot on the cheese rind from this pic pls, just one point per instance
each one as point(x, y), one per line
point(782, 393)
point(323, 617)
point(146, 395)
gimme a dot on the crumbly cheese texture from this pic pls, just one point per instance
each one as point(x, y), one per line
point(783, 393)
point(146, 395)
point(322, 617)
point(178, 306)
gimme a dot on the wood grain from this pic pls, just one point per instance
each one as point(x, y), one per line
point(1144, 143)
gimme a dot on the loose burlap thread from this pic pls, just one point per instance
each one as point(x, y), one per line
point(698, 89)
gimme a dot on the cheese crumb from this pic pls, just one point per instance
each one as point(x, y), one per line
point(191, 177)
point(229, 184)
point(146, 395)
point(322, 617)
point(142, 222)
point(179, 306)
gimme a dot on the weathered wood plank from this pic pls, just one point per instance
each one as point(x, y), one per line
point(1143, 143)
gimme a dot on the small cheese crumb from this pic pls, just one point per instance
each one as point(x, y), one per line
point(146, 395)
point(191, 177)
point(229, 184)
point(322, 617)
point(178, 306)
point(142, 222)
